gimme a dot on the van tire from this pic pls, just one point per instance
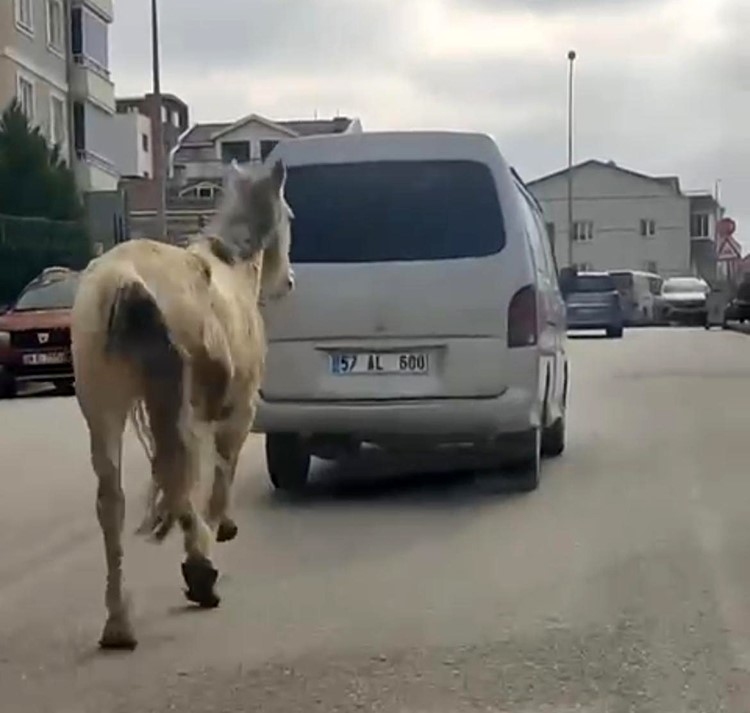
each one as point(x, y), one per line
point(8, 387)
point(553, 439)
point(614, 332)
point(288, 461)
point(65, 387)
point(527, 468)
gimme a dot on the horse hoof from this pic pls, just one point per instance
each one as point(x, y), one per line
point(227, 530)
point(200, 576)
point(118, 636)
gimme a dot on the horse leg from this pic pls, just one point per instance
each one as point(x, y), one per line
point(176, 465)
point(230, 437)
point(106, 456)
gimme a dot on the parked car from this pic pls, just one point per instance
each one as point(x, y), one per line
point(427, 311)
point(593, 302)
point(685, 300)
point(35, 333)
point(639, 295)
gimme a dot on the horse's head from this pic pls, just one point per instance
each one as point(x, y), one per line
point(255, 222)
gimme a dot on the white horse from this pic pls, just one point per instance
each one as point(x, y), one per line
point(173, 338)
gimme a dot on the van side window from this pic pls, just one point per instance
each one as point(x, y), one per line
point(546, 245)
point(536, 239)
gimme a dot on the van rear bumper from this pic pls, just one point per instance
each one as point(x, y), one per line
point(513, 411)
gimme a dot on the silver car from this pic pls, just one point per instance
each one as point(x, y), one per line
point(685, 299)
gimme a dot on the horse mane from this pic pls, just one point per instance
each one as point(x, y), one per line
point(247, 190)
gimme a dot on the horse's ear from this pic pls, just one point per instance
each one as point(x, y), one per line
point(239, 179)
point(278, 176)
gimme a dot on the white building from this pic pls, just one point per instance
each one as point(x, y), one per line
point(92, 95)
point(54, 57)
point(199, 162)
point(621, 219)
point(133, 147)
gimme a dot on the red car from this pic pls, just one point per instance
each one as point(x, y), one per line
point(35, 333)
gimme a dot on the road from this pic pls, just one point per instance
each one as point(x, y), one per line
point(621, 585)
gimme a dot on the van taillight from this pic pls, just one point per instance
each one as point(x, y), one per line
point(522, 318)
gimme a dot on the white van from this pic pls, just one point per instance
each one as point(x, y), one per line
point(427, 311)
point(639, 295)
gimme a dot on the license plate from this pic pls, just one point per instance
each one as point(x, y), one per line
point(45, 358)
point(380, 363)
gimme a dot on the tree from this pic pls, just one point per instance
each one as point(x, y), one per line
point(34, 179)
point(41, 213)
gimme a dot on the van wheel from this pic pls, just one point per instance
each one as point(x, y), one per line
point(288, 461)
point(65, 387)
point(553, 439)
point(528, 466)
point(8, 388)
point(614, 332)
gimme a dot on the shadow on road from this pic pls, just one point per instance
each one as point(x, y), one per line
point(374, 477)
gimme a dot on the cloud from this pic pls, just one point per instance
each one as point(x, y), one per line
point(661, 86)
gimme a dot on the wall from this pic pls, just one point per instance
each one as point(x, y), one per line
point(616, 202)
point(127, 150)
point(32, 52)
point(30, 55)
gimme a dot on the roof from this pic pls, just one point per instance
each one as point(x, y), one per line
point(207, 133)
point(143, 97)
point(671, 181)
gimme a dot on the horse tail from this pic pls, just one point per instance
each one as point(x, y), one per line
point(137, 330)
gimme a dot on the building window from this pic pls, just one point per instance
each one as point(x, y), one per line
point(55, 34)
point(89, 39)
point(648, 228)
point(235, 151)
point(651, 266)
point(583, 231)
point(699, 225)
point(79, 127)
point(144, 142)
point(26, 96)
point(57, 121)
point(205, 192)
point(266, 146)
point(25, 15)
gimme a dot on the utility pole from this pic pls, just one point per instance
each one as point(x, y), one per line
point(157, 148)
point(571, 62)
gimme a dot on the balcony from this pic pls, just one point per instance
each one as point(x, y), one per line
point(94, 173)
point(105, 8)
point(91, 82)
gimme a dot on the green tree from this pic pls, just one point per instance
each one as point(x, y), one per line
point(41, 213)
point(34, 179)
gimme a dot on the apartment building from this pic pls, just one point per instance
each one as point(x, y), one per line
point(622, 219)
point(54, 57)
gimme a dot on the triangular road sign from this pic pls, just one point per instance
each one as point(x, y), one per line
point(728, 249)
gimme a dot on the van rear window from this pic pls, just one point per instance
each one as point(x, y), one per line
point(593, 283)
point(393, 210)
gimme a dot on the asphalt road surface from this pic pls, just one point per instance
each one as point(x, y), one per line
point(623, 584)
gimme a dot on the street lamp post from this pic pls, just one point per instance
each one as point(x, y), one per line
point(571, 61)
point(156, 122)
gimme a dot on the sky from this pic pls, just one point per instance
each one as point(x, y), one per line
point(661, 86)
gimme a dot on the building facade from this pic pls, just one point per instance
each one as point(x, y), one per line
point(621, 219)
point(136, 159)
point(54, 57)
point(34, 65)
point(199, 161)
